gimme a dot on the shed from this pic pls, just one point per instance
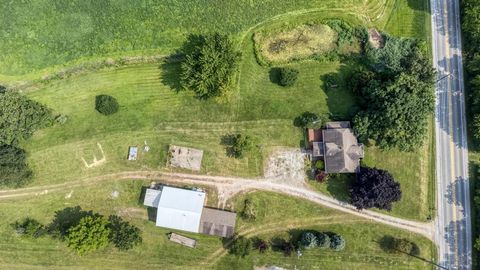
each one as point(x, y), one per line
point(152, 197)
point(132, 153)
point(182, 240)
point(217, 222)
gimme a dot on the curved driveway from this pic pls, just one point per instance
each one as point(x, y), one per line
point(227, 187)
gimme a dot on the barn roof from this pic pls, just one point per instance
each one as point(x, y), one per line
point(180, 209)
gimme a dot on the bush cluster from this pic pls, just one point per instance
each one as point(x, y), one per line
point(241, 246)
point(83, 231)
point(29, 227)
point(20, 117)
point(323, 240)
point(395, 93)
point(237, 145)
point(248, 212)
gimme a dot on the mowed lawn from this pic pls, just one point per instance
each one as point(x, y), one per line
point(277, 216)
point(153, 111)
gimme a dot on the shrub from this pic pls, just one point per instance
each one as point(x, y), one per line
point(288, 76)
point(14, 171)
point(319, 165)
point(323, 240)
point(306, 119)
point(261, 245)
point(106, 105)
point(241, 144)
point(241, 246)
point(309, 240)
point(91, 233)
point(123, 235)
point(321, 176)
point(210, 63)
point(29, 227)
point(288, 248)
point(249, 212)
point(337, 242)
point(66, 219)
point(399, 245)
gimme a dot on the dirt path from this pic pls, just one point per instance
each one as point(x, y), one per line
point(228, 187)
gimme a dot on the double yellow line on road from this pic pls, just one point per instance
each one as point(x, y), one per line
point(451, 131)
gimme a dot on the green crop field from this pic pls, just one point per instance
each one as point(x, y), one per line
point(42, 40)
point(39, 34)
point(277, 215)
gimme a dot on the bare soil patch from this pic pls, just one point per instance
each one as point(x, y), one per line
point(184, 157)
point(286, 166)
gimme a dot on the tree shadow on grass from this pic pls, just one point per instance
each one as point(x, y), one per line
point(152, 214)
point(274, 75)
point(418, 5)
point(65, 219)
point(171, 67)
point(341, 101)
point(227, 141)
point(141, 197)
point(338, 185)
point(170, 70)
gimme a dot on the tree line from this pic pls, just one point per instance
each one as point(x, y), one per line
point(20, 117)
point(83, 231)
point(471, 56)
point(394, 87)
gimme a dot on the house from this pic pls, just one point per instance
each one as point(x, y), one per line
point(183, 209)
point(339, 148)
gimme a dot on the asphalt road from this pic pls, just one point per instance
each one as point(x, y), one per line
point(453, 224)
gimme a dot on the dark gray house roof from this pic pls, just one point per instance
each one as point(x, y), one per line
point(342, 152)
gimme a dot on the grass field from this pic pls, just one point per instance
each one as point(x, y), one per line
point(277, 215)
point(152, 111)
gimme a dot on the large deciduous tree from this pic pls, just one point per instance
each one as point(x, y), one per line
point(122, 234)
point(209, 65)
point(14, 171)
point(20, 117)
point(375, 188)
point(91, 233)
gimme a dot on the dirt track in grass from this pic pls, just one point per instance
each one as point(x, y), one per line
point(227, 187)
